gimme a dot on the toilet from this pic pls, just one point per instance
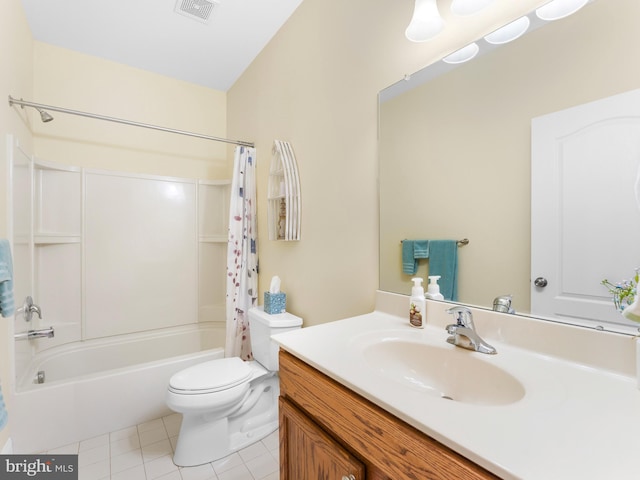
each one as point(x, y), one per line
point(228, 404)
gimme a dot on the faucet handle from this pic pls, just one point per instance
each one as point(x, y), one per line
point(29, 308)
point(503, 304)
point(463, 316)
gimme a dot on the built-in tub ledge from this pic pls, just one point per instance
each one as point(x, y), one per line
point(556, 402)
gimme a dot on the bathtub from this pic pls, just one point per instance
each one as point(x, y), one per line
point(98, 386)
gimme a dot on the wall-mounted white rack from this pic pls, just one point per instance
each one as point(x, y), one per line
point(284, 212)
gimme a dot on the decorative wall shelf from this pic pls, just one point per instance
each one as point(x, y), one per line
point(284, 210)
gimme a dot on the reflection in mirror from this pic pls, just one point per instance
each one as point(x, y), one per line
point(455, 155)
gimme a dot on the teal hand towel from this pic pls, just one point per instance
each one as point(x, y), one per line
point(412, 250)
point(443, 261)
point(7, 306)
point(409, 263)
point(420, 249)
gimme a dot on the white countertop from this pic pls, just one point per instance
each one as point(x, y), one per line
point(575, 421)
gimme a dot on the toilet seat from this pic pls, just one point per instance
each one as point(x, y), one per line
point(210, 377)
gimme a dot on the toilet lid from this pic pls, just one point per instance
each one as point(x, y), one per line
point(211, 376)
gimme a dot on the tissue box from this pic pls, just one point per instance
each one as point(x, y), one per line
point(275, 303)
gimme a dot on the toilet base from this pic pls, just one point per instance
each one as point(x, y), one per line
point(197, 441)
point(204, 439)
point(242, 440)
point(211, 442)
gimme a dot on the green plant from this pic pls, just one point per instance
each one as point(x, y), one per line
point(623, 292)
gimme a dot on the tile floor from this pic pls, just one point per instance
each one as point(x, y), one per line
point(144, 452)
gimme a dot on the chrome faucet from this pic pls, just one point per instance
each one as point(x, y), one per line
point(503, 304)
point(463, 332)
point(30, 334)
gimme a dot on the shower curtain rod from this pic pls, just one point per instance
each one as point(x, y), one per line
point(24, 103)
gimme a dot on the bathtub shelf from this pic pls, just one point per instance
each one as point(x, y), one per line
point(55, 239)
point(213, 239)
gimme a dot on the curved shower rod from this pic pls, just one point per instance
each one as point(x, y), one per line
point(46, 118)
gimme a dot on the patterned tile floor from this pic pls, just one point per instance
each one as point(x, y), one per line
point(144, 452)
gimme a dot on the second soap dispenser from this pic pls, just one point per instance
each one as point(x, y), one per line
point(433, 289)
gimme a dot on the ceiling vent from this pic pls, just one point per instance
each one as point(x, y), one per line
point(200, 10)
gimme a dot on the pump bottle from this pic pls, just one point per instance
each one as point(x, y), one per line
point(433, 289)
point(417, 304)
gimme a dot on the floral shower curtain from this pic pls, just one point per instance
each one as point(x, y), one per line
point(242, 254)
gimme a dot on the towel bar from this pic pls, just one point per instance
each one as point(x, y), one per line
point(461, 243)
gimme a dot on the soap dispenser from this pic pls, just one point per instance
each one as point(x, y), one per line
point(433, 290)
point(417, 304)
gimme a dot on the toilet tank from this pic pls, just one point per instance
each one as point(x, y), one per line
point(262, 326)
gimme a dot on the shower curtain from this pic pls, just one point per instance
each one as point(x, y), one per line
point(242, 254)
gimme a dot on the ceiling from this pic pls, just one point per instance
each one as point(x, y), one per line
point(150, 35)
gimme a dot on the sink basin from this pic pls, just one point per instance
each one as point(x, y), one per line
point(449, 373)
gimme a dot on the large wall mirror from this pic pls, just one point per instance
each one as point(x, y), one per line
point(455, 153)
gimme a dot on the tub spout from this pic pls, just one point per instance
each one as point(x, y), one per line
point(30, 334)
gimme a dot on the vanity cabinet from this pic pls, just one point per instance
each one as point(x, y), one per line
point(311, 453)
point(327, 431)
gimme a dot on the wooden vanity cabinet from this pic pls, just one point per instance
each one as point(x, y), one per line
point(328, 432)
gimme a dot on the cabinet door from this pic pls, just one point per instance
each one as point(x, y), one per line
point(307, 452)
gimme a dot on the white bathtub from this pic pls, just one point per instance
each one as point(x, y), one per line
point(104, 385)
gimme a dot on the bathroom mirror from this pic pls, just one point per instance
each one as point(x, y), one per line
point(455, 152)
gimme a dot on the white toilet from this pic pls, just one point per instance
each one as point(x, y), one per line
point(228, 404)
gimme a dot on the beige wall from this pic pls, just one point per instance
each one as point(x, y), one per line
point(16, 79)
point(464, 139)
point(316, 86)
point(76, 81)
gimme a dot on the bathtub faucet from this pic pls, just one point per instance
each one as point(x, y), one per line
point(28, 335)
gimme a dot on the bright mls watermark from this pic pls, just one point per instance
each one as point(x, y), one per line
point(39, 467)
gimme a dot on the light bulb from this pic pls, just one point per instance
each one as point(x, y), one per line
point(463, 55)
point(557, 9)
point(509, 32)
point(426, 22)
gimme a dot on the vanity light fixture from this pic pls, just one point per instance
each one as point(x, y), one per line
point(468, 7)
point(557, 9)
point(463, 55)
point(509, 32)
point(426, 22)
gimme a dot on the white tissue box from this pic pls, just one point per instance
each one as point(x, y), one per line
point(275, 303)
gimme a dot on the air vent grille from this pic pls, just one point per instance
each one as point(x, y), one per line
point(196, 9)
